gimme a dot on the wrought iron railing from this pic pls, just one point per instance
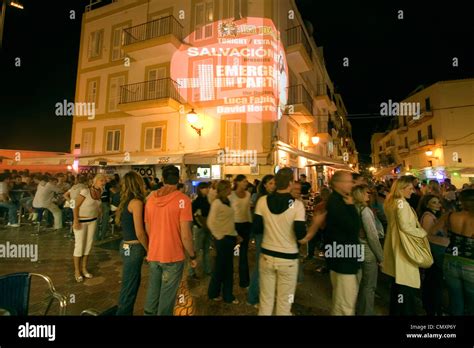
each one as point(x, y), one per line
point(153, 29)
point(149, 90)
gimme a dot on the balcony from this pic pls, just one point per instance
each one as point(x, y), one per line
point(298, 53)
point(425, 140)
point(389, 148)
point(402, 129)
point(157, 39)
point(413, 145)
point(402, 150)
point(424, 116)
point(150, 97)
point(302, 104)
point(324, 98)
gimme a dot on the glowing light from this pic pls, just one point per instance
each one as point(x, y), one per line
point(315, 140)
point(75, 165)
point(192, 117)
point(17, 5)
point(429, 153)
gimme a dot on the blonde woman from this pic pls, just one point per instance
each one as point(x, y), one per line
point(373, 253)
point(135, 241)
point(401, 218)
point(86, 208)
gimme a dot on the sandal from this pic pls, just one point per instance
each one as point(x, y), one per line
point(79, 279)
point(88, 275)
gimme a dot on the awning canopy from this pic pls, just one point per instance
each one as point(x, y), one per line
point(385, 171)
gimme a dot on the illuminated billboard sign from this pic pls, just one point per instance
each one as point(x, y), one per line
point(240, 68)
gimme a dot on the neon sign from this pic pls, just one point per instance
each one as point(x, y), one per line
point(240, 69)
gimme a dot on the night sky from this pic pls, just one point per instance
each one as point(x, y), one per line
point(388, 59)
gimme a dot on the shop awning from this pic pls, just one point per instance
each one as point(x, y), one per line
point(385, 171)
point(466, 172)
point(311, 156)
point(130, 160)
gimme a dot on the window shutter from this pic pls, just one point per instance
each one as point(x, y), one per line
point(110, 135)
point(158, 138)
point(199, 21)
point(117, 140)
point(148, 138)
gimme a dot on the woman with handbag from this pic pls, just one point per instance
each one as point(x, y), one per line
point(406, 248)
point(429, 211)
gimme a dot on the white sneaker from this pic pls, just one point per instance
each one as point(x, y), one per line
point(13, 225)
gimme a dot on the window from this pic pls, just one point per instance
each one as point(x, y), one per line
point(232, 134)
point(419, 136)
point(427, 104)
point(113, 140)
point(87, 146)
point(406, 142)
point(203, 18)
point(430, 132)
point(380, 148)
point(156, 87)
point(95, 43)
point(91, 93)
point(292, 137)
point(154, 138)
point(160, 25)
point(234, 9)
point(114, 92)
point(117, 39)
point(204, 70)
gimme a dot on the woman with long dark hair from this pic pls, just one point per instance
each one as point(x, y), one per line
point(240, 202)
point(266, 187)
point(429, 210)
point(135, 241)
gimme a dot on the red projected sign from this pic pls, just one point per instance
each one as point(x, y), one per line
point(238, 68)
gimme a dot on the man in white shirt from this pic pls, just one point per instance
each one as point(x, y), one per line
point(282, 220)
point(5, 201)
point(44, 199)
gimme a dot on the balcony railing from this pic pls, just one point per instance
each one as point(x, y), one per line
point(299, 95)
point(150, 30)
point(149, 90)
point(297, 35)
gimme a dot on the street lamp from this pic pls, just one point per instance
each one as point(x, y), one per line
point(193, 120)
point(16, 4)
point(315, 140)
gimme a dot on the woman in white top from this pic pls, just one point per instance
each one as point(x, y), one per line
point(240, 202)
point(86, 210)
point(221, 224)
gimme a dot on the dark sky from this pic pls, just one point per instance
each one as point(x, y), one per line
point(388, 59)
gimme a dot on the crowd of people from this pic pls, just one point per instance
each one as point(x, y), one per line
point(420, 235)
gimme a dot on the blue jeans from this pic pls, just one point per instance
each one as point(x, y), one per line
point(132, 271)
point(459, 275)
point(202, 240)
point(12, 210)
point(254, 289)
point(163, 287)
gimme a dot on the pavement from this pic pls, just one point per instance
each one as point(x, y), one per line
point(55, 249)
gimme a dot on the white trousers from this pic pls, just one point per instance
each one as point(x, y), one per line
point(84, 238)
